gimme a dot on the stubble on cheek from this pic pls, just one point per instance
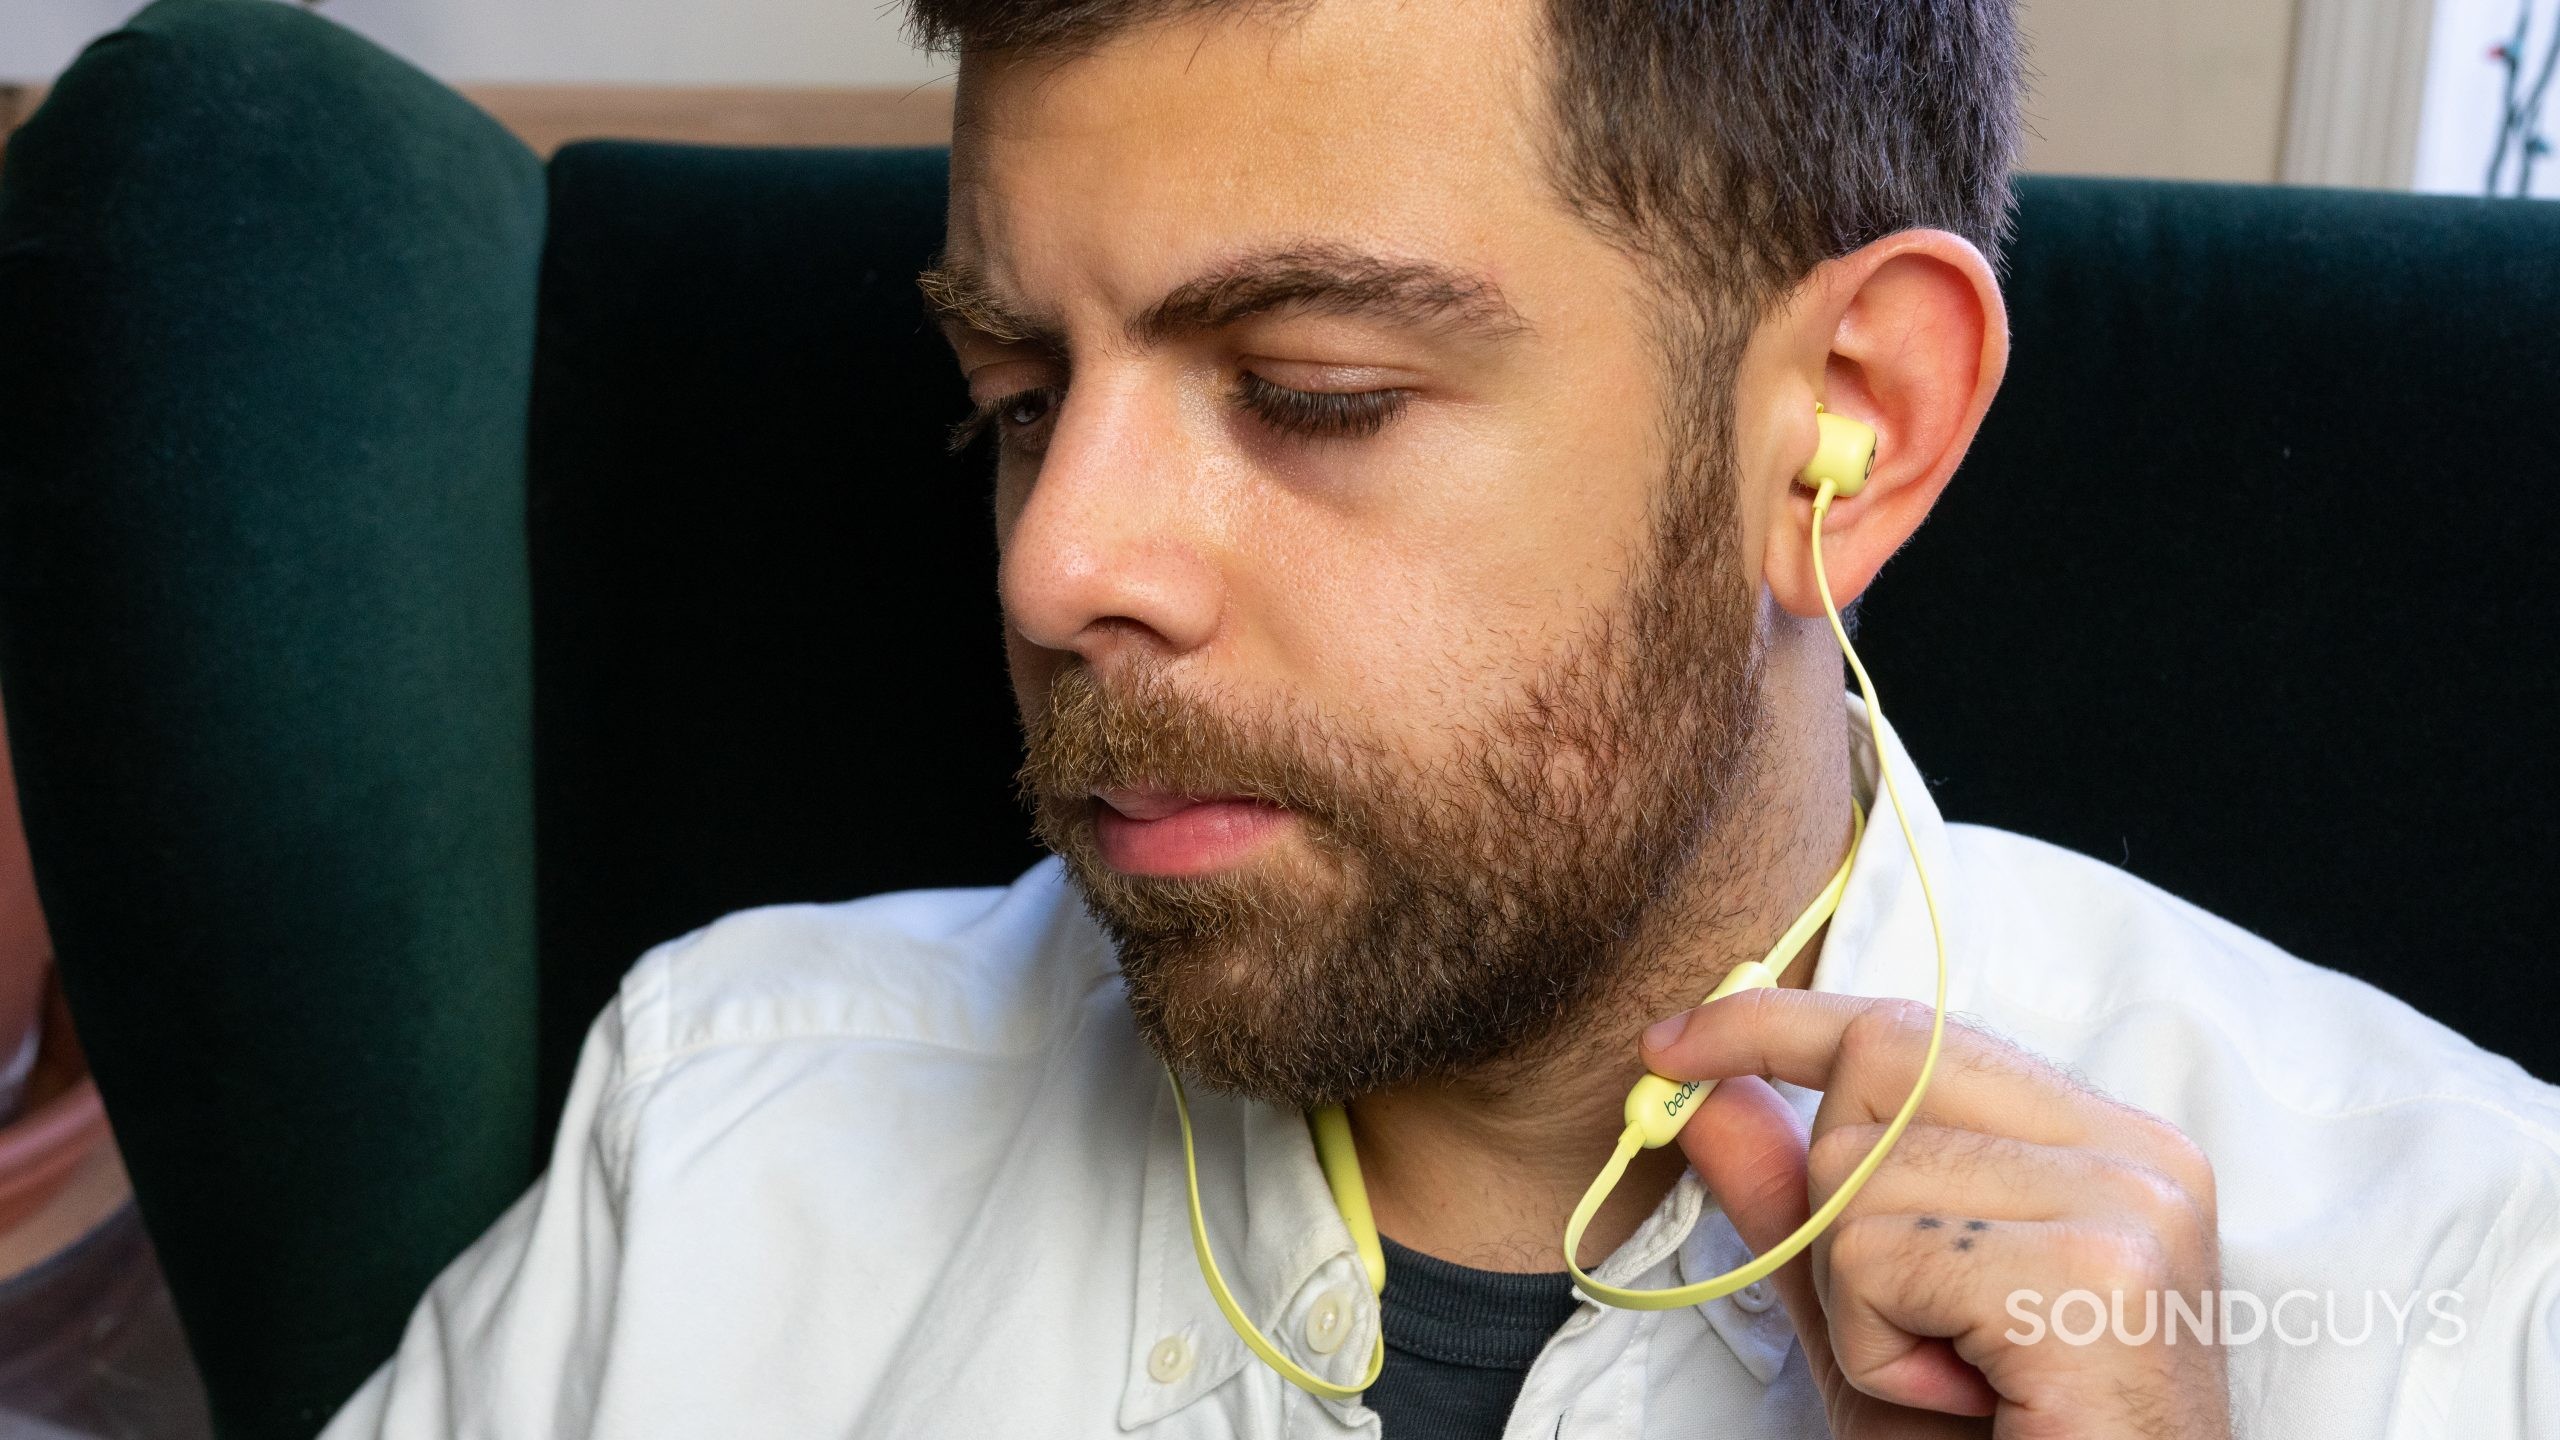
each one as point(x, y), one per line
point(1427, 917)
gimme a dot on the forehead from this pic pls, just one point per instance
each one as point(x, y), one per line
point(1402, 127)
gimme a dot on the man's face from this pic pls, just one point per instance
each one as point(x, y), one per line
point(1375, 596)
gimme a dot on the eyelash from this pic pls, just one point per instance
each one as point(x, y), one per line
point(965, 433)
point(1311, 414)
point(1320, 414)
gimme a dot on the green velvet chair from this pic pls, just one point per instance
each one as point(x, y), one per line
point(428, 579)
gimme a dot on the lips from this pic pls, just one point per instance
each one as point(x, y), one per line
point(1154, 804)
point(1160, 833)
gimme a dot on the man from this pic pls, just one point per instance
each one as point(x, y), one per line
point(1396, 406)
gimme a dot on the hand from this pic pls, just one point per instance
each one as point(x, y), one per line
point(2012, 1178)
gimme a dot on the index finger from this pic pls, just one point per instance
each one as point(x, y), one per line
point(1866, 1052)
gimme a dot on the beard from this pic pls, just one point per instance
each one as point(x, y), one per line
point(1469, 916)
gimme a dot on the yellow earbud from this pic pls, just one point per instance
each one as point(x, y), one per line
point(1843, 456)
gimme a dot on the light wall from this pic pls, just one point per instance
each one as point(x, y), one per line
point(640, 42)
point(2179, 88)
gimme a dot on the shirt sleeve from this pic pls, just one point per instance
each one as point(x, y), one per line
point(2506, 1344)
point(2537, 1385)
point(511, 1338)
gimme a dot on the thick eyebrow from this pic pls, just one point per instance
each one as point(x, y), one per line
point(1325, 279)
point(957, 295)
point(1332, 280)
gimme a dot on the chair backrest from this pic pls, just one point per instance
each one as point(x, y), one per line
point(2223, 594)
point(767, 649)
point(2238, 587)
point(266, 334)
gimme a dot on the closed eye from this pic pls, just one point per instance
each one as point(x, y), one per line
point(1319, 414)
point(1310, 414)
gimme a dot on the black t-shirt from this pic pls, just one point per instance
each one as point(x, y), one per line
point(1459, 1344)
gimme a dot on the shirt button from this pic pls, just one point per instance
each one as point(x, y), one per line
point(1328, 1323)
point(1756, 1297)
point(1170, 1360)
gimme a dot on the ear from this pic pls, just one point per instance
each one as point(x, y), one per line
point(1909, 335)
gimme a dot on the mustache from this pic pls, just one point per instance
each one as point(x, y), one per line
point(1143, 730)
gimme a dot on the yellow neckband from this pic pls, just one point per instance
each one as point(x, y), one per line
point(1656, 1108)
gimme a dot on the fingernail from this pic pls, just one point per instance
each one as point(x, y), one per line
point(1662, 1032)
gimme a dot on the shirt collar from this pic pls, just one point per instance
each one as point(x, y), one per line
point(1284, 1249)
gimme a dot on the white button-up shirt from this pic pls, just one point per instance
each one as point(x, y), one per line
point(902, 1167)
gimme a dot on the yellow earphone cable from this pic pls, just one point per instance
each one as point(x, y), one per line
point(1341, 1163)
point(1657, 1107)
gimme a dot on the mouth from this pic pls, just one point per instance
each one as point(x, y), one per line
point(1168, 834)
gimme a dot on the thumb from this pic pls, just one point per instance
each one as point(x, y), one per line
point(1748, 1146)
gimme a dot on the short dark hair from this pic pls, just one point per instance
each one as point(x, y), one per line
point(1731, 145)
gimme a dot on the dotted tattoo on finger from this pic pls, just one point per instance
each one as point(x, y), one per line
point(1962, 1242)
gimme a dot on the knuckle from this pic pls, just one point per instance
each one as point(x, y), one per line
point(1863, 1354)
point(2108, 1258)
point(1753, 1009)
point(1884, 1028)
point(2161, 1205)
point(1739, 1019)
point(2153, 1195)
point(1858, 1244)
point(1836, 1152)
point(2169, 1150)
point(2186, 1161)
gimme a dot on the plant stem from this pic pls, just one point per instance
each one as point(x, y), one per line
point(2535, 143)
point(2510, 59)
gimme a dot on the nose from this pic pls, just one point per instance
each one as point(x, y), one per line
point(1111, 546)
